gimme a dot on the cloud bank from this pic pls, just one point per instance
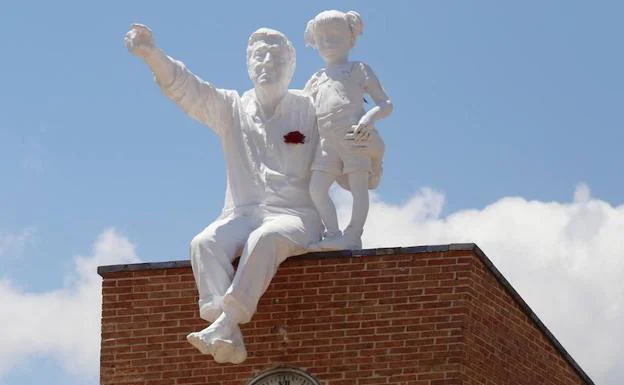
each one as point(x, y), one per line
point(565, 259)
point(65, 323)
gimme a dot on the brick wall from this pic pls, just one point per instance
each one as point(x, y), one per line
point(503, 344)
point(422, 316)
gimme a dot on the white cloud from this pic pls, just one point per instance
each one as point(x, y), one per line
point(565, 259)
point(65, 323)
point(12, 245)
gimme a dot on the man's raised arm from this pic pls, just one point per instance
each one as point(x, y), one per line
point(198, 98)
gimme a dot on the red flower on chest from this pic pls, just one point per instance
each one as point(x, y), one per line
point(294, 137)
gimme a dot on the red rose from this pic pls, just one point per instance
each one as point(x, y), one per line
point(294, 137)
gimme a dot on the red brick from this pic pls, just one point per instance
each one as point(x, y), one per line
point(418, 319)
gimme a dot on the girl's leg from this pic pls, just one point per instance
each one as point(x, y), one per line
point(319, 191)
point(358, 183)
point(352, 237)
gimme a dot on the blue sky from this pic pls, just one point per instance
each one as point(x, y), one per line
point(492, 101)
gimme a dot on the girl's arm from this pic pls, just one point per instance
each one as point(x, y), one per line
point(383, 104)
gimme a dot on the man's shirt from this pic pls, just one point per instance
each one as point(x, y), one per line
point(262, 169)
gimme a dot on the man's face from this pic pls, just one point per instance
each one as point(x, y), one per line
point(268, 63)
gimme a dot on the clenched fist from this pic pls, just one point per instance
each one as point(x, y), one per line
point(139, 40)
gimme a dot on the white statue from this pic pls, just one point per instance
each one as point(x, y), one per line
point(269, 136)
point(350, 149)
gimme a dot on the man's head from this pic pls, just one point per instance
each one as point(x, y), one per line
point(271, 59)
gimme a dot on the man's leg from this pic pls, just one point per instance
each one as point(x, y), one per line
point(279, 237)
point(212, 252)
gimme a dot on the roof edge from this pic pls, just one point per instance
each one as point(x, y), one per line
point(531, 314)
point(324, 254)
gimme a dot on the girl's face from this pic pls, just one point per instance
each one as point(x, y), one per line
point(333, 40)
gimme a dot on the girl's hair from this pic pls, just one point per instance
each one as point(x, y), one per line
point(351, 18)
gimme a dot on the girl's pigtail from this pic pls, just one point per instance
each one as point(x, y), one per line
point(355, 22)
point(308, 35)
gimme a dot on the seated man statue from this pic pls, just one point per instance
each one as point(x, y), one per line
point(269, 136)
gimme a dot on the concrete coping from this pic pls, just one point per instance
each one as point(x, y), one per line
point(325, 254)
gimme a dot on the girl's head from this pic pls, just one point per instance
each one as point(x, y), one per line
point(333, 33)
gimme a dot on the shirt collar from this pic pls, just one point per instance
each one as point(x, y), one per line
point(252, 107)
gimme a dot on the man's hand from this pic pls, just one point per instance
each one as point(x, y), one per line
point(139, 40)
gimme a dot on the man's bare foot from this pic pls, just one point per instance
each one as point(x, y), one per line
point(230, 349)
point(204, 339)
point(223, 340)
point(200, 343)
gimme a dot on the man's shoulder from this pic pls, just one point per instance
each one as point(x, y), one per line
point(247, 95)
point(299, 96)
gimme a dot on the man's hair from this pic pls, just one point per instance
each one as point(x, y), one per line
point(264, 34)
